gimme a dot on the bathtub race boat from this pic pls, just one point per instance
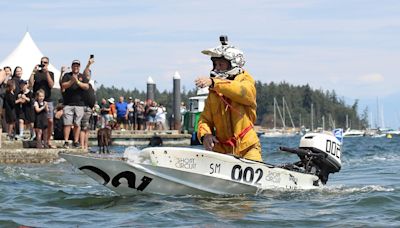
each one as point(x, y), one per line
point(182, 171)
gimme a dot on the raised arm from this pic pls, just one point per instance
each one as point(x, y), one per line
point(32, 77)
point(86, 72)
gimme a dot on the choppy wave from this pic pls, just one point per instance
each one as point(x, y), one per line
point(341, 189)
point(386, 158)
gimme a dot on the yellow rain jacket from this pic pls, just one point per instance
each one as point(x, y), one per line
point(230, 111)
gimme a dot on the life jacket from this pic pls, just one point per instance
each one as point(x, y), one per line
point(234, 139)
point(230, 111)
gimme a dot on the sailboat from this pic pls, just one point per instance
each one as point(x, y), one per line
point(380, 129)
point(352, 132)
point(283, 132)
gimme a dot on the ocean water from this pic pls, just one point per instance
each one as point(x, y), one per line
point(365, 193)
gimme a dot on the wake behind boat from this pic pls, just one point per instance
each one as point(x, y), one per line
point(181, 171)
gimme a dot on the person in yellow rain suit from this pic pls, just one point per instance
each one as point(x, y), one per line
point(226, 123)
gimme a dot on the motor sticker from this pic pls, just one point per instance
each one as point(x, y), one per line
point(185, 163)
point(273, 177)
point(292, 178)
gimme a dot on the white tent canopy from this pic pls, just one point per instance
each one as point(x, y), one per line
point(27, 55)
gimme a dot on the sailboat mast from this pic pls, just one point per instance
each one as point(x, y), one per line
point(331, 122)
point(370, 121)
point(283, 111)
point(274, 113)
point(285, 105)
point(312, 117)
point(300, 120)
point(382, 118)
point(377, 113)
point(280, 114)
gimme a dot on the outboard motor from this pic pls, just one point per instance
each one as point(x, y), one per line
point(326, 145)
point(319, 154)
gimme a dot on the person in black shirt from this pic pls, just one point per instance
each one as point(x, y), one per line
point(42, 78)
point(5, 75)
point(74, 84)
point(17, 77)
point(26, 114)
point(10, 102)
point(89, 98)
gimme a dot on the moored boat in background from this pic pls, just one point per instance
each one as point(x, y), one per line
point(353, 133)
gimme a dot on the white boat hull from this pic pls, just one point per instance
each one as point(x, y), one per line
point(181, 171)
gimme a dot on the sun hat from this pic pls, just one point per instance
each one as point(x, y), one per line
point(111, 100)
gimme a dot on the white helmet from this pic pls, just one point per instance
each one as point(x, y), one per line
point(230, 53)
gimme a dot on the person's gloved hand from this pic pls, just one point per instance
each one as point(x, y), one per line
point(209, 141)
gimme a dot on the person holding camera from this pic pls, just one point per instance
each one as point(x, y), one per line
point(74, 84)
point(42, 78)
point(89, 98)
point(230, 108)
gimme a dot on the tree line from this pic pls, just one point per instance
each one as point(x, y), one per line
point(327, 107)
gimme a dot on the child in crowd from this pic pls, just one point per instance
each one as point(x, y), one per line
point(94, 120)
point(26, 114)
point(41, 109)
point(113, 110)
point(140, 113)
point(104, 112)
point(151, 111)
point(9, 106)
point(161, 117)
point(59, 122)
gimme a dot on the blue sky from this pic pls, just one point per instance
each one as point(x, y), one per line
point(351, 46)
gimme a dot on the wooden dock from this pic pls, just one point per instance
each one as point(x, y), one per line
point(142, 138)
point(16, 152)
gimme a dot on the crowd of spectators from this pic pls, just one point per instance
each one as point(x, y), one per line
point(131, 115)
point(28, 106)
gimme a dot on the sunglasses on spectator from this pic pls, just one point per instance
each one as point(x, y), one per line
point(44, 62)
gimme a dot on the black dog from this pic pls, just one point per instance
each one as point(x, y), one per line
point(156, 141)
point(104, 139)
